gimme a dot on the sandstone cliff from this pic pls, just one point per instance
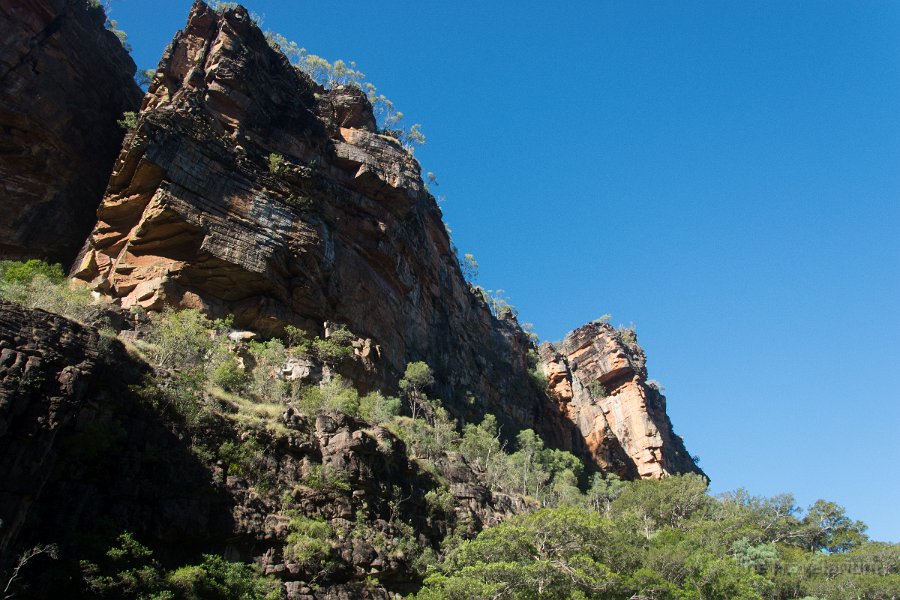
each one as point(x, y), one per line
point(247, 189)
point(599, 377)
point(64, 81)
point(342, 231)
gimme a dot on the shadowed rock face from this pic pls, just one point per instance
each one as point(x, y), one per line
point(64, 81)
point(46, 363)
point(84, 457)
point(599, 378)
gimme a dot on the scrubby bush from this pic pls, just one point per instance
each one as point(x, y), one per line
point(298, 341)
point(336, 394)
point(276, 163)
point(597, 390)
point(440, 502)
point(218, 579)
point(341, 73)
point(179, 395)
point(242, 458)
point(128, 570)
point(321, 477)
point(128, 120)
point(36, 284)
point(378, 409)
point(185, 337)
point(536, 371)
point(335, 347)
point(229, 375)
point(14, 272)
point(266, 381)
point(309, 543)
point(628, 336)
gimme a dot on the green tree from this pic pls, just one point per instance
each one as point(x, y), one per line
point(484, 451)
point(378, 409)
point(218, 579)
point(184, 337)
point(669, 502)
point(830, 529)
point(553, 553)
point(416, 379)
point(526, 474)
point(267, 382)
point(469, 267)
point(36, 284)
point(128, 571)
point(603, 490)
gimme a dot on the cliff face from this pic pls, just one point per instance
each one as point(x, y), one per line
point(599, 377)
point(248, 189)
point(64, 81)
point(342, 230)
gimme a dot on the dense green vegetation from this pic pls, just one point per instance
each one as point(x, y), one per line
point(669, 539)
point(129, 570)
point(36, 284)
point(581, 535)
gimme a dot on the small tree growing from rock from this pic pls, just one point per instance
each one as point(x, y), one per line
point(416, 379)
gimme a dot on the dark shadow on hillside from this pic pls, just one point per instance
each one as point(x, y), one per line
point(81, 469)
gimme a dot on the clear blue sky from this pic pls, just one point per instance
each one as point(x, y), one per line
point(726, 175)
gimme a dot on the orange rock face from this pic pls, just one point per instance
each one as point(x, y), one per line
point(248, 189)
point(599, 377)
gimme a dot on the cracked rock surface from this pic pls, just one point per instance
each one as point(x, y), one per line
point(64, 82)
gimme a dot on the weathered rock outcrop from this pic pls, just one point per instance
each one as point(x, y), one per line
point(341, 230)
point(599, 377)
point(84, 456)
point(46, 363)
point(248, 189)
point(64, 81)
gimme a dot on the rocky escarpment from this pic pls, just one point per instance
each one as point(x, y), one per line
point(87, 451)
point(202, 211)
point(598, 374)
point(64, 81)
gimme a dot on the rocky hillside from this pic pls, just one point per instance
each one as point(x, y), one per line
point(334, 402)
point(85, 454)
point(64, 82)
point(248, 189)
point(341, 230)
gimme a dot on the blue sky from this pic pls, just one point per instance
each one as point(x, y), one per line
point(725, 175)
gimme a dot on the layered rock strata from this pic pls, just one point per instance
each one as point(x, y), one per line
point(248, 189)
point(598, 375)
point(64, 82)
